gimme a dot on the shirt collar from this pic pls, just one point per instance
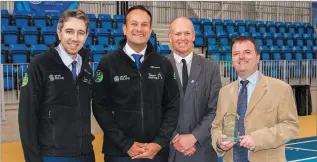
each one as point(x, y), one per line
point(129, 51)
point(67, 60)
point(188, 58)
point(253, 79)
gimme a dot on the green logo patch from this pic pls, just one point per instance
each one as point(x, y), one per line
point(98, 76)
point(25, 80)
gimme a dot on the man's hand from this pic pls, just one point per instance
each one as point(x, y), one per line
point(190, 151)
point(247, 142)
point(136, 149)
point(151, 150)
point(225, 146)
point(184, 142)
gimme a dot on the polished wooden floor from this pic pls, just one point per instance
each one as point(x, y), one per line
point(12, 152)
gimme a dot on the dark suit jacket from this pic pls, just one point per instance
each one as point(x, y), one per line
point(197, 108)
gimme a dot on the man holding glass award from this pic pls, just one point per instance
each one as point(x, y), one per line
point(256, 115)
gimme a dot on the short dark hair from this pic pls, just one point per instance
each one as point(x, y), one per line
point(76, 13)
point(138, 7)
point(243, 39)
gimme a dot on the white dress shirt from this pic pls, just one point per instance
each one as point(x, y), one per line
point(67, 59)
point(179, 64)
point(129, 51)
point(253, 79)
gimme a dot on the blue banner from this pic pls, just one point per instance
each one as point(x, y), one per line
point(44, 6)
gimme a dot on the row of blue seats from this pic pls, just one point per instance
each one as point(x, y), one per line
point(47, 35)
point(269, 39)
point(267, 53)
point(252, 26)
point(19, 53)
point(23, 18)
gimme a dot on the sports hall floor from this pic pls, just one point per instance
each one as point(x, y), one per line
point(301, 149)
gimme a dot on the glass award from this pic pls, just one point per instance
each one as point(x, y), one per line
point(230, 128)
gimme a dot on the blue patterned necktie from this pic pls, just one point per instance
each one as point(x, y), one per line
point(74, 69)
point(137, 58)
point(240, 154)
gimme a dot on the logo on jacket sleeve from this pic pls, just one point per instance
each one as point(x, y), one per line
point(98, 76)
point(25, 80)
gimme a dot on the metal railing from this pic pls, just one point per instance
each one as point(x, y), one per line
point(294, 72)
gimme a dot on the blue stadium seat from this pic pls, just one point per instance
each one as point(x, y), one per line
point(230, 26)
point(97, 51)
point(119, 21)
point(223, 37)
point(206, 23)
point(8, 77)
point(163, 50)
point(308, 40)
point(39, 19)
point(308, 52)
point(18, 53)
point(261, 26)
point(152, 38)
point(5, 17)
point(290, 27)
point(37, 49)
point(299, 27)
point(30, 35)
point(49, 35)
point(276, 53)
point(105, 21)
point(315, 52)
point(103, 36)
point(21, 18)
point(54, 17)
point(226, 52)
point(117, 35)
point(287, 52)
point(271, 27)
point(250, 24)
point(217, 23)
point(112, 48)
point(268, 38)
point(299, 39)
point(258, 38)
point(4, 54)
point(22, 68)
point(315, 39)
point(309, 28)
point(279, 41)
point(93, 21)
point(10, 34)
point(198, 38)
point(210, 37)
point(233, 35)
point(289, 39)
point(214, 52)
point(280, 27)
point(265, 53)
point(89, 41)
point(240, 25)
point(246, 34)
point(195, 22)
point(297, 52)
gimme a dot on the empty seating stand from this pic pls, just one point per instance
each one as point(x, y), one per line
point(112, 48)
point(3, 54)
point(287, 52)
point(214, 52)
point(229, 25)
point(8, 77)
point(54, 17)
point(93, 21)
point(206, 23)
point(261, 26)
point(251, 26)
point(117, 36)
point(265, 53)
point(240, 25)
point(39, 20)
point(18, 53)
point(49, 35)
point(271, 27)
point(21, 18)
point(268, 39)
point(308, 39)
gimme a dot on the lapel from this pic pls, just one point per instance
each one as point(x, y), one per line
point(193, 76)
point(234, 91)
point(258, 93)
point(172, 60)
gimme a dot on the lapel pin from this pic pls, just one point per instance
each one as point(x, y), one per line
point(192, 81)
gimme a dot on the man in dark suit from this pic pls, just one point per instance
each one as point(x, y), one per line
point(199, 83)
